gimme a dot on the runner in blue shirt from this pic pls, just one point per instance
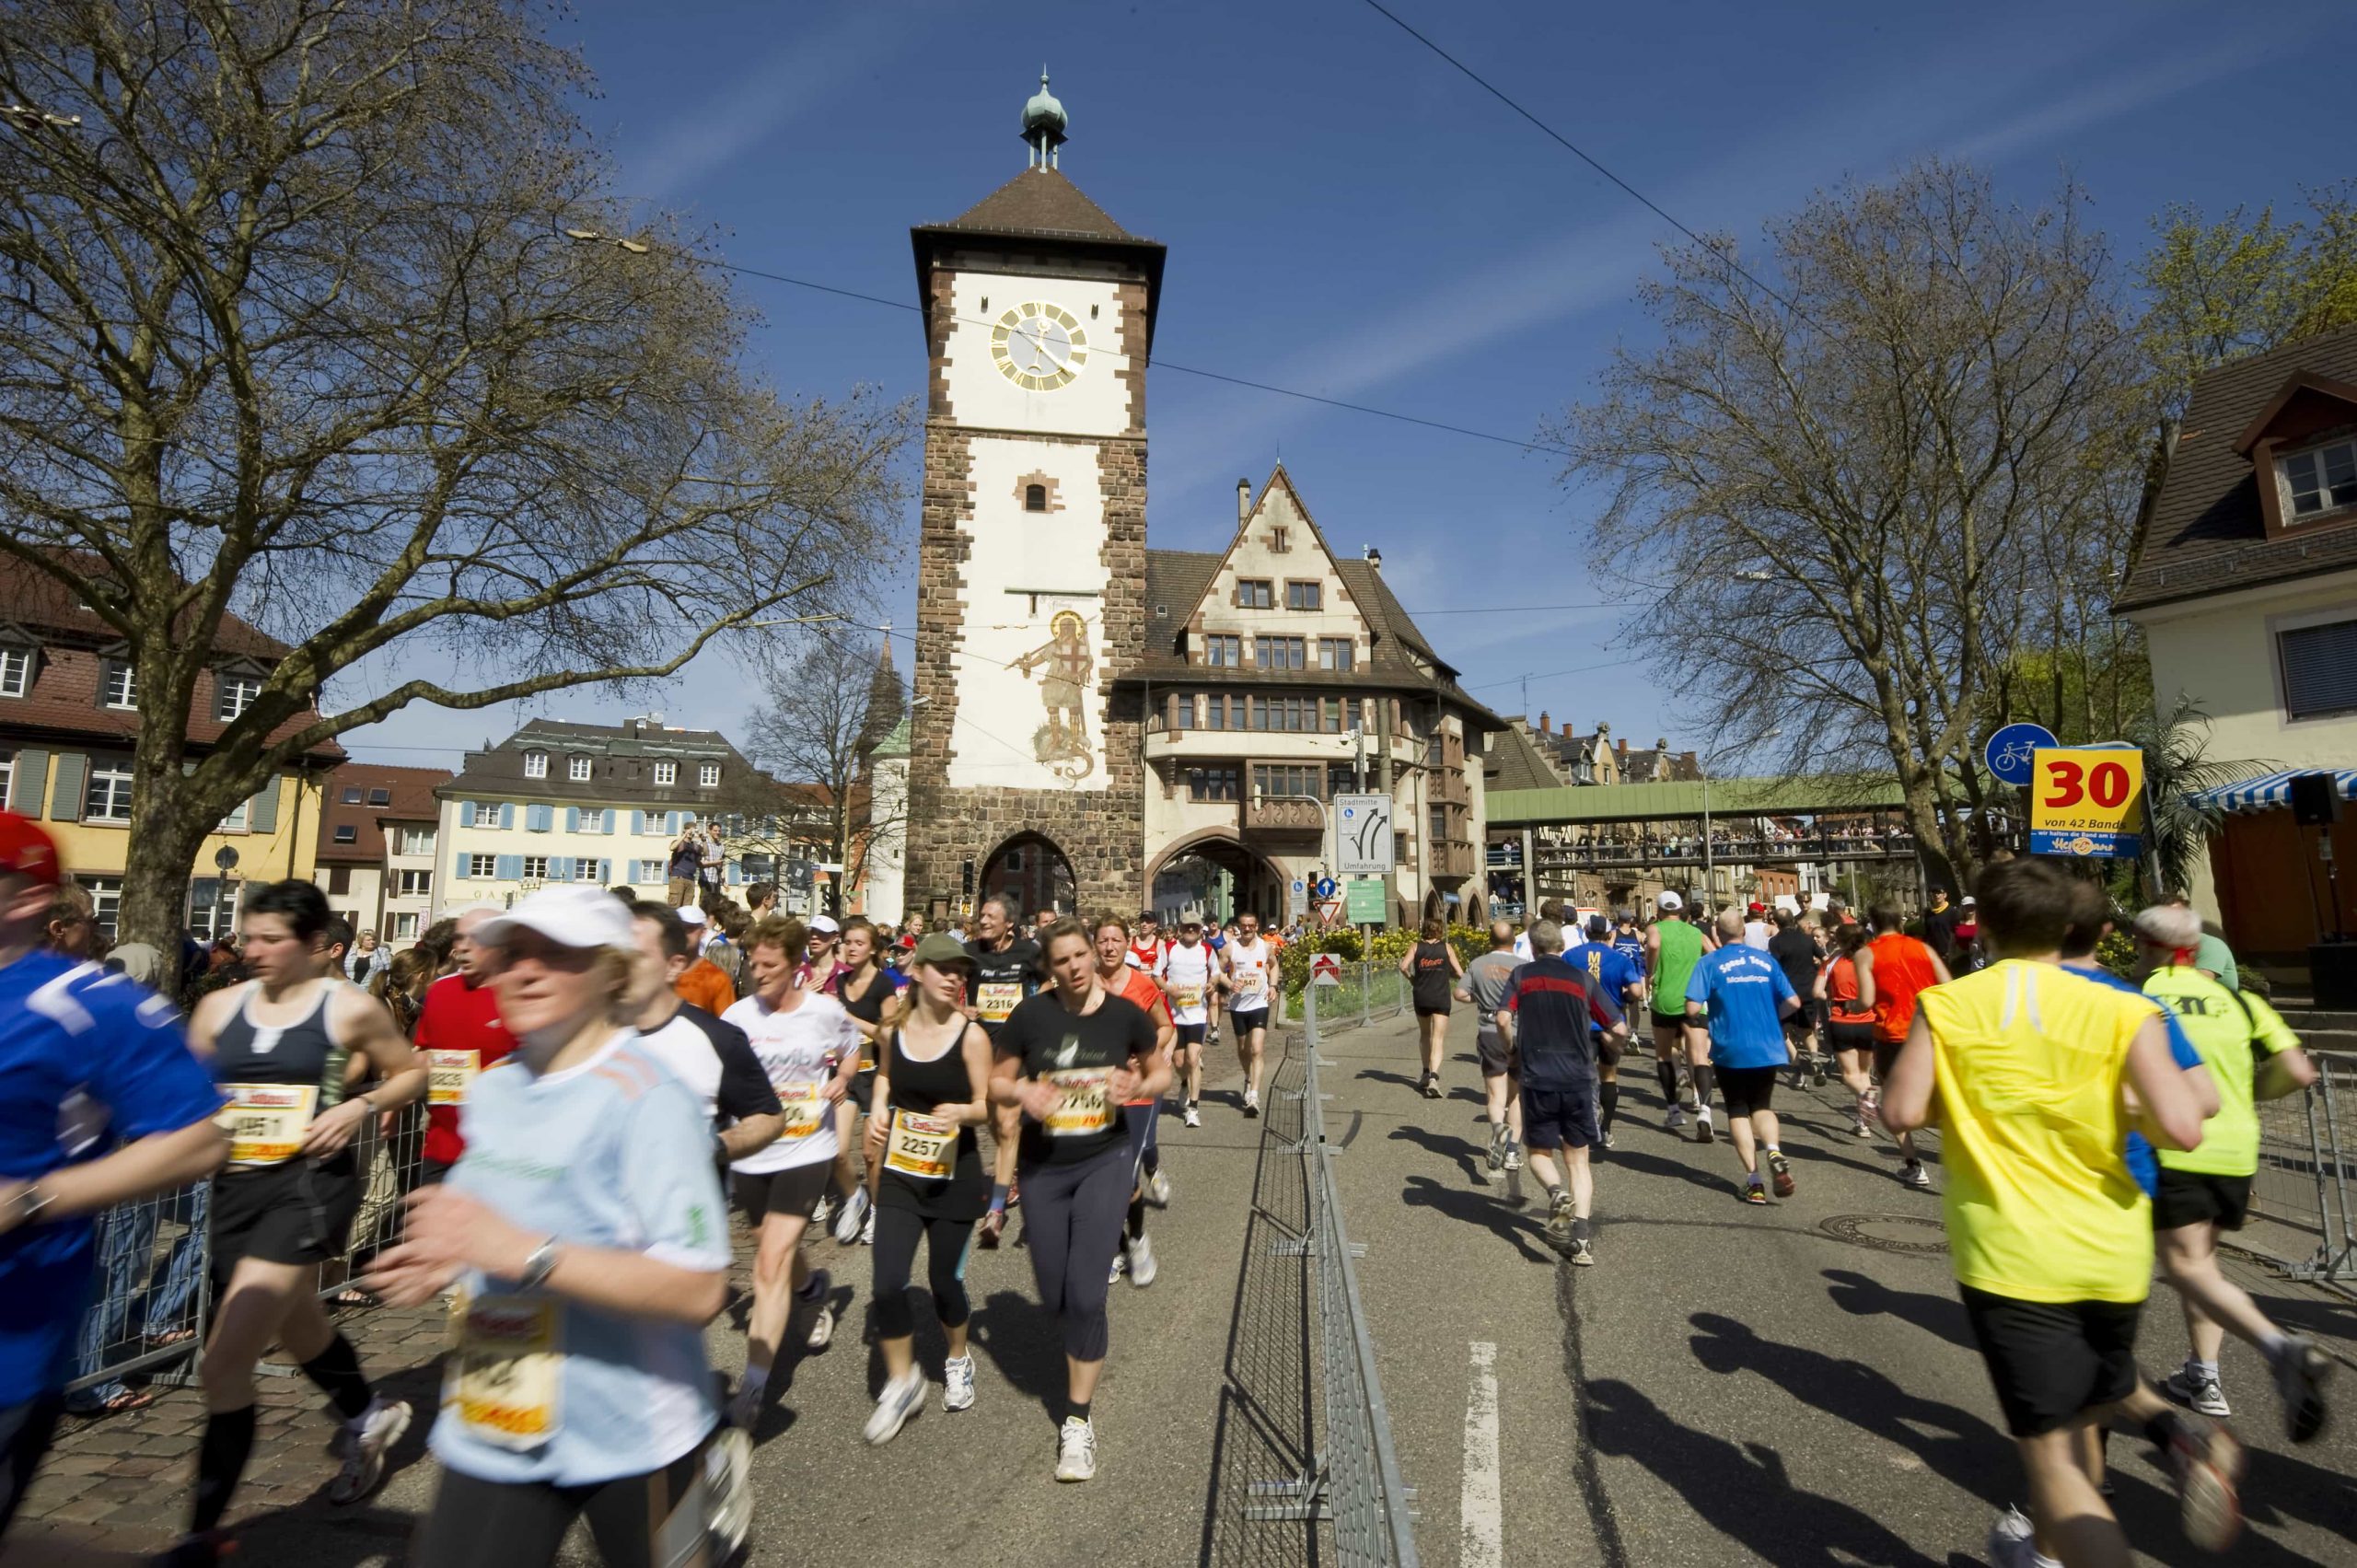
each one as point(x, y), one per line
point(1609, 971)
point(585, 1229)
point(89, 1060)
point(1745, 997)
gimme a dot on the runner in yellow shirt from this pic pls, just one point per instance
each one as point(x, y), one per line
point(2050, 1235)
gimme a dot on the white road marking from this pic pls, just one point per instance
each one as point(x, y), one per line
point(1482, 1509)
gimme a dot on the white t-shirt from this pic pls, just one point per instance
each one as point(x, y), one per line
point(1756, 933)
point(1185, 973)
point(1522, 947)
point(799, 1047)
point(1248, 963)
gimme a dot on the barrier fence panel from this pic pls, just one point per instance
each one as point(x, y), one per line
point(153, 1295)
point(1367, 992)
point(2307, 1168)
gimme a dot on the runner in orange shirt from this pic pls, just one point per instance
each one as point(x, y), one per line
point(1893, 971)
point(1123, 978)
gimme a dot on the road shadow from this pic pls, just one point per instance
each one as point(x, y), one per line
point(1939, 1315)
point(1626, 1158)
point(1467, 1156)
point(1024, 1341)
point(1495, 1214)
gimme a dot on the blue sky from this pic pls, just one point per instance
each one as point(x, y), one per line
point(1348, 216)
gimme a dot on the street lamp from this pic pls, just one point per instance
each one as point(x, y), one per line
point(30, 119)
point(595, 237)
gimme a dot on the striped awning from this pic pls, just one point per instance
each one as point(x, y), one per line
point(2270, 790)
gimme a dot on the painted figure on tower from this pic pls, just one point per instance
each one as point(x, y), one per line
point(1062, 741)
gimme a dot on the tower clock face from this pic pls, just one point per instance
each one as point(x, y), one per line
point(1039, 346)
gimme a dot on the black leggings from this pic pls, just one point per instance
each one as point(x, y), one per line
point(1072, 1223)
point(897, 1233)
point(657, 1520)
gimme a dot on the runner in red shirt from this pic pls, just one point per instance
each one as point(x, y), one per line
point(1893, 969)
point(1123, 978)
point(1147, 947)
point(459, 1034)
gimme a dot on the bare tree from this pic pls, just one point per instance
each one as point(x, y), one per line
point(292, 329)
point(1850, 499)
point(827, 702)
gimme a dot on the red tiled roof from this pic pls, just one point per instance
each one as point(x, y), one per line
point(412, 792)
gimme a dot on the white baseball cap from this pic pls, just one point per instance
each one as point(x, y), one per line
point(691, 915)
point(570, 917)
point(825, 923)
point(1669, 901)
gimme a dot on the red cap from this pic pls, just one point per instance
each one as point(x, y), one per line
point(1760, 908)
point(27, 849)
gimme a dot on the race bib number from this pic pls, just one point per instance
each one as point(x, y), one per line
point(996, 999)
point(804, 1106)
point(921, 1146)
point(448, 1075)
point(1084, 1103)
point(506, 1357)
point(1187, 996)
point(1247, 989)
point(266, 1122)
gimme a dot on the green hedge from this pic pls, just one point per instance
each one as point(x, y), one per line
point(1385, 952)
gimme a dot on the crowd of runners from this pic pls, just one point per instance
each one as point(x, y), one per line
point(588, 1129)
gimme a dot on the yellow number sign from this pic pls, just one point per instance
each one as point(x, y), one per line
point(2087, 801)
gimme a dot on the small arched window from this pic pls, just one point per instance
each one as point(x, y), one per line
point(1035, 497)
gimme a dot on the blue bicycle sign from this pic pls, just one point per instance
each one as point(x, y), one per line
point(2012, 749)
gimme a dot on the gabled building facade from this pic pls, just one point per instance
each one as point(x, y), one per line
point(379, 831)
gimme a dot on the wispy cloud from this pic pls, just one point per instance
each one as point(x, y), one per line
point(2107, 97)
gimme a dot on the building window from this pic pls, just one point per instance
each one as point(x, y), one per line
point(536, 764)
point(536, 868)
point(585, 869)
point(417, 841)
point(1437, 819)
point(234, 822)
point(1215, 711)
point(1281, 540)
point(1335, 654)
point(708, 775)
point(649, 871)
point(8, 774)
point(1214, 784)
point(352, 794)
point(486, 814)
point(666, 774)
point(417, 884)
point(15, 671)
point(482, 865)
point(107, 798)
point(380, 797)
point(2321, 480)
point(1341, 778)
point(1286, 715)
point(1035, 497)
point(347, 833)
point(1255, 593)
point(121, 686)
point(1280, 652)
point(2319, 669)
point(106, 900)
point(1284, 779)
point(236, 694)
point(1305, 596)
point(578, 770)
point(406, 927)
point(340, 881)
point(1330, 715)
point(1223, 653)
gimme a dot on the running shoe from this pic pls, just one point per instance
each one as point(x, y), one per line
point(1675, 1121)
point(902, 1398)
point(2013, 1542)
point(822, 1325)
point(1121, 1266)
point(744, 1407)
point(1157, 1189)
point(957, 1383)
point(1513, 1156)
point(1581, 1254)
point(1862, 1130)
point(1604, 1139)
point(1142, 1265)
point(2300, 1371)
point(1193, 1118)
point(1251, 1102)
point(727, 1474)
point(823, 1213)
point(1913, 1174)
point(1780, 1170)
point(867, 1227)
point(2195, 1390)
point(1432, 1085)
point(1703, 1131)
point(1075, 1450)
point(1496, 1159)
point(375, 1430)
point(2205, 1462)
point(1753, 1192)
point(993, 1226)
point(855, 1210)
point(1560, 1221)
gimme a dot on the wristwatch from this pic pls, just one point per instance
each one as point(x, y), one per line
point(540, 1265)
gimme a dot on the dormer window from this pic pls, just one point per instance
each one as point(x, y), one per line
point(120, 687)
point(666, 774)
point(578, 770)
point(708, 775)
point(15, 671)
point(1035, 497)
point(2321, 480)
point(536, 764)
point(236, 693)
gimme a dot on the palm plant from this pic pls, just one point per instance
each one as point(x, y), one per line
point(2177, 768)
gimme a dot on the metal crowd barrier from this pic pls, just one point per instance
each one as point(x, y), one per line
point(2307, 1166)
point(1368, 993)
point(1353, 1482)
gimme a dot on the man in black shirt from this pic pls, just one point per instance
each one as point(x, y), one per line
point(1008, 969)
point(1797, 954)
point(1939, 925)
point(1545, 1018)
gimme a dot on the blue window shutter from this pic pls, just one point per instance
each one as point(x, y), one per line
point(671, 823)
point(459, 869)
point(539, 817)
point(637, 823)
point(606, 821)
point(467, 814)
point(510, 867)
point(560, 868)
point(573, 818)
point(606, 871)
point(507, 814)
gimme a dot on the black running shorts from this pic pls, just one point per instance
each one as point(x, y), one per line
point(1247, 1019)
point(1496, 1060)
point(794, 1191)
point(1854, 1034)
point(1559, 1119)
point(1746, 1089)
point(2192, 1197)
point(1191, 1034)
point(296, 1212)
point(2052, 1360)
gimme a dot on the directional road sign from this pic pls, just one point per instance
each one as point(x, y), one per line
point(2010, 750)
point(1325, 968)
point(1363, 835)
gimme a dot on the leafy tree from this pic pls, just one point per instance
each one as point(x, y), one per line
point(827, 702)
point(294, 330)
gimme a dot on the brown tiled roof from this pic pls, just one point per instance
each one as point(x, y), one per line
point(2204, 535)
point(39, 602)
point(1515, 761)
point(412, 799)
point(1041, 202)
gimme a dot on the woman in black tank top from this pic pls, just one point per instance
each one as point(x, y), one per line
point(867, 976)
point(931, 1090)
point(1433, 971)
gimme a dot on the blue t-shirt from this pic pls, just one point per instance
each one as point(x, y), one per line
point(2142, 1163)
point(612, 1152)
point(1631, 947)
point(87, 1058)
point(1609, 969)
point(1743, 989)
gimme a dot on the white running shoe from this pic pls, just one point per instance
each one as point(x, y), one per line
point(867, 1227)
point(2013, 1542)
point(1121, 1266)
point(1703, 1131)
point(822, 1327)
point(957, 1383)
point(823, 1213)
point(1675, 1121)
point(855, 1210)
point(2197, 1392)
point(1075, 1450)
point(1251, 1102)
point(368, 1436)
point(727, 1475)
point(902, 1398)
point(1142, 1264)
point(1913, 1174)
point(1513, 1158)
point(1193, 1118)
point(1157, 1189)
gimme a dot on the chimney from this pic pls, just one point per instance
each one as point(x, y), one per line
point(1375, 558)
point(1621, 747)
point(1243, 503)
point(1544, 724)
point(1567, 730)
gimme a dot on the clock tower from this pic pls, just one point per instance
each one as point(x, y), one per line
point(1025, 772)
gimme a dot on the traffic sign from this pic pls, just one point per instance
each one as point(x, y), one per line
point(1296, 899)
point(2010, 751)
point(1363, 835)
point(1326, 887)
point(2087, 802)
point(1325, 968)
point(1366, 900)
